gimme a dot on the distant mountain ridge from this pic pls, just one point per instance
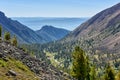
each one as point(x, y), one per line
point(50, 33)
point(25, 34)
point(36, 23)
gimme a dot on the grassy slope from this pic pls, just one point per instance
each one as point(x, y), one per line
point(23, 72)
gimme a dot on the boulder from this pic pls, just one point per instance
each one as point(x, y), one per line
point(12, 73)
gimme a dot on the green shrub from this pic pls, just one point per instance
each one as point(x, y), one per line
point(2, 63)
point(109, 73)
point(14, 41)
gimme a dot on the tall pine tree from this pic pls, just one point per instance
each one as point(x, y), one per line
point(80, 65)
point(109, 73)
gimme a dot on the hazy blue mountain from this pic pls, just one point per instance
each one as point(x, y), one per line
point(50, 33)
point(27, 35)
point(36, 23)
point(24, 34)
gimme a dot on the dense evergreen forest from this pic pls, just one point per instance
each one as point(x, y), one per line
point(78, 61)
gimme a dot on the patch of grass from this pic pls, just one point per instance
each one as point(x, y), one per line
point(2, 63)
point(21, 66)
point(52, 60)
point(24, 73)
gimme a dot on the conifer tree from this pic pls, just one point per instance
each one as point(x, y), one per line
point(109, 73)
point(80, 65)
point(7, 36)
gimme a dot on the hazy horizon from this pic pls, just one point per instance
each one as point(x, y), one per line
point(36, 23)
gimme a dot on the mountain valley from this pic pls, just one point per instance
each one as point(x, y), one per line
point(51, 53)
point(99, 37)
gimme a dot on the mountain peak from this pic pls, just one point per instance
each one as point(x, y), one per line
point(1, 14)
point(51, 33)
point(47, 27)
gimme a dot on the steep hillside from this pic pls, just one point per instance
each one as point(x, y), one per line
point(105, 19)
point(11, 69)
point(50, 33)
point(102, 30)
point(24, 34)
point(17, 64)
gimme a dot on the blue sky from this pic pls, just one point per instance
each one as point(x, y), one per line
point(54, 8)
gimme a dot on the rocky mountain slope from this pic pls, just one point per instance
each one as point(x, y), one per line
point(102, 30)
point(50, 33)
point(17, 64)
